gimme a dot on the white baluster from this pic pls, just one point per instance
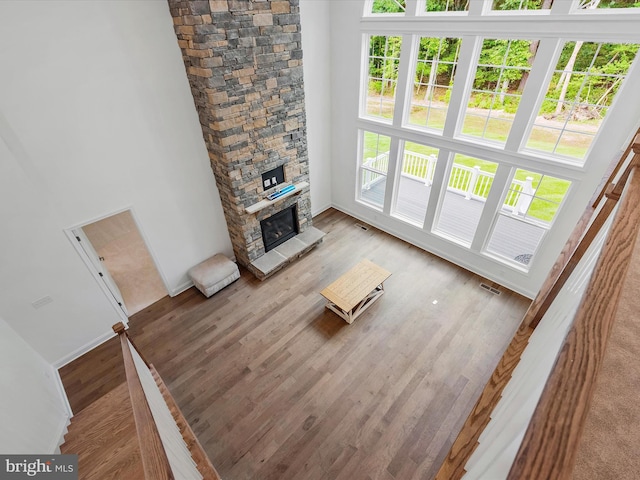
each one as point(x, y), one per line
point(472, 183)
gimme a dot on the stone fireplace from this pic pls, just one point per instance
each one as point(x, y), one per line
point(243, 59)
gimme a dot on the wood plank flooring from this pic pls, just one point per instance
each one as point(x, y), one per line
point(275, 386)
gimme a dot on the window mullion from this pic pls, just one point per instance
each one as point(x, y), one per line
point(564, 7)
point(404, 83)
point(397, 173)
point(541, 72)
point(479, 7)
point(438, 188)
point(364, 68)
point(412, 8)
point(491, 207)
point(467, 61)
point(392, 170)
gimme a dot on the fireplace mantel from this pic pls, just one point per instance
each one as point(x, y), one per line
point(256, 207)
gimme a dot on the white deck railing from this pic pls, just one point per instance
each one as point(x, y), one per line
point(472, 182)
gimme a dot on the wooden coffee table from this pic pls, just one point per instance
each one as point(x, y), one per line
point(356, 290)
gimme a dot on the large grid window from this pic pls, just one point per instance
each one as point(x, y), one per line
point(501, 74)
point(468, 186)
point(374, 164)
point(383, 63)
point(484, 132)
point(530, 205)
point(416, 178)
point(436, 63)
point(586, 79)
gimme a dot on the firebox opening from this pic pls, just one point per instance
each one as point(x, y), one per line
point(279, 228)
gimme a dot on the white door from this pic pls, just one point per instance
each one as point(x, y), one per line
point(85, 244)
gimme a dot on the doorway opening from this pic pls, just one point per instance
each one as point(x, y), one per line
point(116, 249)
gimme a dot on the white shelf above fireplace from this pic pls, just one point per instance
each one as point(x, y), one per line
point(256, 207)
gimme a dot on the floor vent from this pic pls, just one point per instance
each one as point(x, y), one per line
point(362, 227)
point(489, 288)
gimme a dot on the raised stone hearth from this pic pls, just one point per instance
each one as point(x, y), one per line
point(282, 255)
point(244, 63)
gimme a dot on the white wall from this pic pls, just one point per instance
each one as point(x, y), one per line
point(96, 115)
point(33, 414)
point(316, 31)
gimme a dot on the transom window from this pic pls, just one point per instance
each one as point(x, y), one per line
point(592, 4)
point(522, 4)
point(388, 6)
point(446, 6)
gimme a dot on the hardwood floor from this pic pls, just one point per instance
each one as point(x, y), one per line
point(275, 386)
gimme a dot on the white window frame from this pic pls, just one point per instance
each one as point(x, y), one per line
point(480, 22)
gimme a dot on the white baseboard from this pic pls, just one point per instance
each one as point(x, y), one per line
point(61, 391)
point(82, 350)
point(316, 212)
point(65, 420)
point(181, 288)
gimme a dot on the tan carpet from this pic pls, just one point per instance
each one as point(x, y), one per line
point(610, 447)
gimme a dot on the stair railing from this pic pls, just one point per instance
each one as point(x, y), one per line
point(550, 444)
point(168, 447)
point(527, 422)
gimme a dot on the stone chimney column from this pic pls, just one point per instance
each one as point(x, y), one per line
point(243, 59)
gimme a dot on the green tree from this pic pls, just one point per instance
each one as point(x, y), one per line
point(437, 57)
point(590, 74)
point(522, 4)
point(496, 70)
point(389, 6)
point(447, 5)
point(384, 57)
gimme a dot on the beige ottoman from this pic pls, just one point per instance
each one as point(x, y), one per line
point(214, 274)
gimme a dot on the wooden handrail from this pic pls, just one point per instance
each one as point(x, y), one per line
point(154, 458)
point(550, 444)
point(614, 171)
point(581, 238)
point(467, 440)
point(576, 246)
point(204, 465)
point(583, 235)
point(120, 328)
